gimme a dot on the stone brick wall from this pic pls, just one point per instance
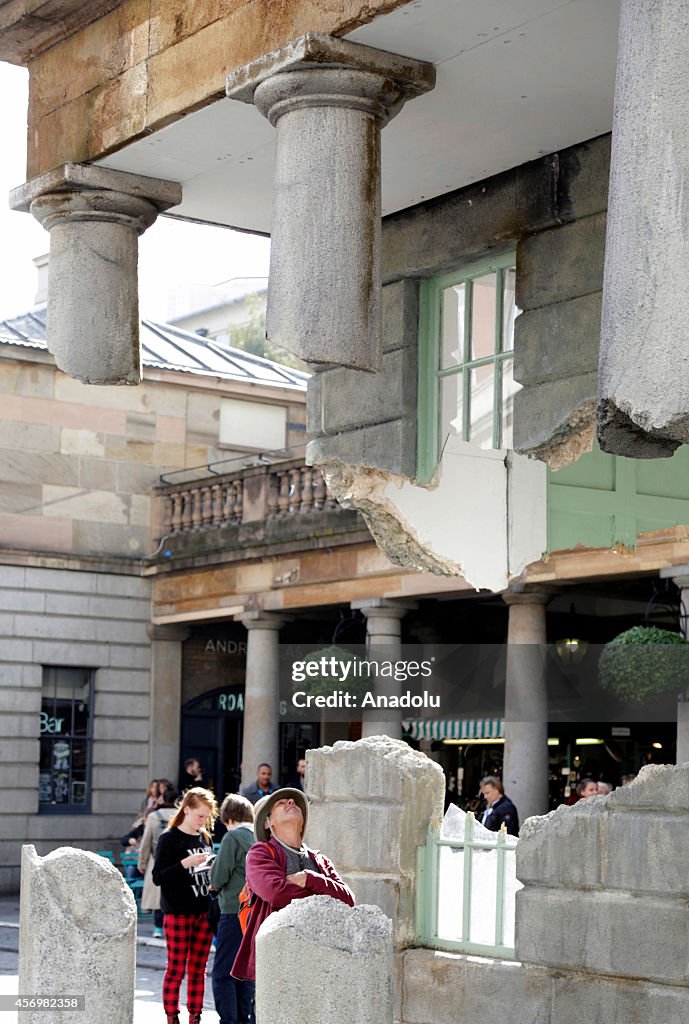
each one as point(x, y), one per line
point(602, 920)
point(58, 617)
point(77, 461)
point(553, 211)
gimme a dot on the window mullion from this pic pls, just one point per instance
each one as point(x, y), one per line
point(466, 373)
point(497, 369)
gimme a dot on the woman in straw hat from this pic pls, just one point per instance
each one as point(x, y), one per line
point(281, 868)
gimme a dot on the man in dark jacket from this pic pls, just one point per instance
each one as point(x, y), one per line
point(281, 868)
point(500, 809)
point(263, 785)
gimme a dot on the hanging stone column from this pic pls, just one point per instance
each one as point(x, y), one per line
point(643, 386)
point(95, 216)
point(328, 99)
point(261, 738)
point(166, 699)
point(383, 643)
point(525, 768)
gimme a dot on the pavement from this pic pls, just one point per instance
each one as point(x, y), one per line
point(150, 967)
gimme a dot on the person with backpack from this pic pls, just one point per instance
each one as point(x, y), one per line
point(156, 823)
point(234, 999)
point(182, 870)
point(281, 868)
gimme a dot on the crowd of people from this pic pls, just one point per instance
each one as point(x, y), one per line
point(262, 864)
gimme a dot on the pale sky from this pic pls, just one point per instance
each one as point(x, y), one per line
point(172, 254)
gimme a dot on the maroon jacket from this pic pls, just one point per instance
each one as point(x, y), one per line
point(266, 877)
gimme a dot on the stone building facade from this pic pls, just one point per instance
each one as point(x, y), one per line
point(82, 731)
point(493, 186)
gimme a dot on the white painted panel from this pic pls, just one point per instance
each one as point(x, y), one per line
point(462, 520)
point(527, 518)
point(253, 424)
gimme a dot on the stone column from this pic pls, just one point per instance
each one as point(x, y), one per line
point(261, 736)
point(77, 937)
point(371, 805)
point(328, 99)
point(680, 577)
point(94, 216)
point(354, 953)
point(165, 700)
point(384, 643)
point(643, 386)
point(525, 769)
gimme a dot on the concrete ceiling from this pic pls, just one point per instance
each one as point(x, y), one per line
point(515, 80)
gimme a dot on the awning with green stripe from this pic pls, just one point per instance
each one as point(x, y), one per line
point(455, 729)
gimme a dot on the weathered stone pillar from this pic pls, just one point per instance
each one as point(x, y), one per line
point(94, 216)
point(525, 768)
point(165, 700)
point(77, 936)
point(354, 954)
point(328, 99)
point(383, 643)
point(372, 803)
point(680, 577)
point(643, 386)
point(261, 737)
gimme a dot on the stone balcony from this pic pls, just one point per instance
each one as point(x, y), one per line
point(248, 514)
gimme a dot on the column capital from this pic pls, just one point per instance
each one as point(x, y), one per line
point(533, 595)
point(679, 574)
point(323, 53)
point(72, 177)
point(383, 607)
point(173, 633)
point(263, 620)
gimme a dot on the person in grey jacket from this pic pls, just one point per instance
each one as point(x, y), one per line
point(233, 999)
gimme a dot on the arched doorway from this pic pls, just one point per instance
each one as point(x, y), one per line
point(212, 732)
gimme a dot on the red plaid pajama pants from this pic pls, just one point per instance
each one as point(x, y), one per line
point(188, 945)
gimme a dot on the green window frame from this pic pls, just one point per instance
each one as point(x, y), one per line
point(432, 373)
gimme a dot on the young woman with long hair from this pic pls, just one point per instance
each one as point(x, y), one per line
point(181, 851)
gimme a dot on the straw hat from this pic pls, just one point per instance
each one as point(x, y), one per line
point(265, 804)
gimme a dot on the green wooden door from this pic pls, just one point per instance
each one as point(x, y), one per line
point(602, 500)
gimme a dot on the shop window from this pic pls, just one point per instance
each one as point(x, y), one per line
point(466, 349)
point(64, 781)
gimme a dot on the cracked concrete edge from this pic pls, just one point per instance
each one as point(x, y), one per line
point(572, 439)
point(362, 488)
point(620, 434)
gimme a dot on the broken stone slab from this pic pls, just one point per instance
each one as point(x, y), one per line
point(77, 936)
point(94, 216)
point(320, 960)
point(328, 99)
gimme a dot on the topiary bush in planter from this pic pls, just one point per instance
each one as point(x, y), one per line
point(644, 662)
point(323, 684)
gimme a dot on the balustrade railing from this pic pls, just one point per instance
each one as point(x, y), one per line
point(265, 492)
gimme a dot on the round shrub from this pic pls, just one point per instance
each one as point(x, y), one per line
point(644, 662)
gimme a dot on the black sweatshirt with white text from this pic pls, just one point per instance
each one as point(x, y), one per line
point(182, 891)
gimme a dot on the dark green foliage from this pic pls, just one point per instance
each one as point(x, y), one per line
point(644, 662)
point(326, 683)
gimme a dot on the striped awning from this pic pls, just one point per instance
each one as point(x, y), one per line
point(455, 729)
